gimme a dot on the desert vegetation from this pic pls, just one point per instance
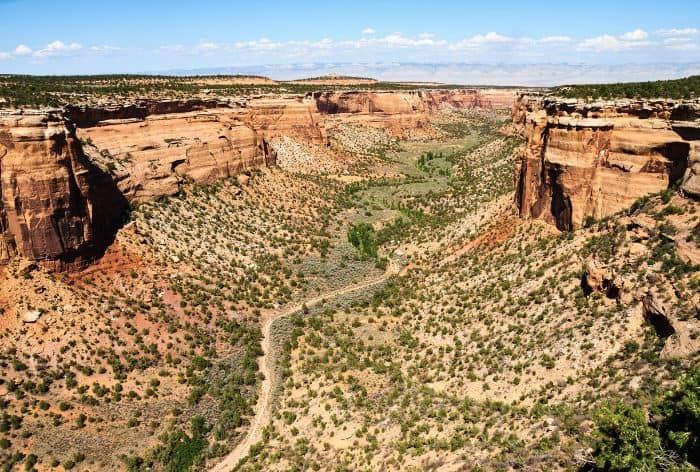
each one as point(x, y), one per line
point(688, 87)
point(25, 91)
point(472, 343)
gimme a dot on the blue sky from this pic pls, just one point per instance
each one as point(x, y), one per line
point(76, 36)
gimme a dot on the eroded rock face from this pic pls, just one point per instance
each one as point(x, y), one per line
point(594, 159)
point(156, 155)
point(417, 101)
point(47, 190)
point(64, 197)
point(399, 112)
point(599, 278)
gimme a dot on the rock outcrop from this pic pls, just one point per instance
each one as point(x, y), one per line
point(675, 333)
point(599, 278)
point(594, 159)
point(49, 191)
point(155, 156)
point(399, 112)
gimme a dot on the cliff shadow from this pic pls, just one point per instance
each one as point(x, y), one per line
point(107, 209)
point(561, 203)
point(110, 208)
point(678, 154)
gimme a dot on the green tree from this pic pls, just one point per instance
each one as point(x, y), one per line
point(624, 441)
point(361, 235)
point(680, 424)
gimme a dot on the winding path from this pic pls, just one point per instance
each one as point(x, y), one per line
point(266, 362)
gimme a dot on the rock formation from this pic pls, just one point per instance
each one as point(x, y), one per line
point(154, 156)
point(67, 176)
point(598, 277)
point(676, 335)
point(398, 112)
point(594, 159)
point(48, 191)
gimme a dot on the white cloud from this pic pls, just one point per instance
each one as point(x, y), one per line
point(57, 48)
point(491, 37)
point(678, 44)
point(489, 45)
point(4, 55)
point(483, 42)
point(682, 46)
point(23, 50)
point(207, 47)
point(554, 40)
point(636, 35)
point(605, 42)
point(262, 44)
point(678, 32)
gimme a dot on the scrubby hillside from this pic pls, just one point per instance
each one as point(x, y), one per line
point(503, 344)
point(410, 319)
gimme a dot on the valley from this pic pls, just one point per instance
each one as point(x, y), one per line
point(353, 277)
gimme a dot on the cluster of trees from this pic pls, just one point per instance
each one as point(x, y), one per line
point(688, 87)
point(425, 158)
point(361, 235)
point(628, 439)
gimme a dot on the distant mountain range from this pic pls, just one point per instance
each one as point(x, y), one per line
point(461, 73)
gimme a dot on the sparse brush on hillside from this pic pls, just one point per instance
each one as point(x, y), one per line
point(31, 91)
point(480, 347)
point(688, 87)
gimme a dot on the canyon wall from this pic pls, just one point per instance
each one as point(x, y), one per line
point(414, 101)
point(55, 205)
point(399, 112)
point(68, 176)
point(592, 159)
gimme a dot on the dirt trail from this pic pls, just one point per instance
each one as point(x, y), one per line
point(263, 408)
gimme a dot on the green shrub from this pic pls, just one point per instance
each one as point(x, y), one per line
point(680, 426)
point(361, 235)
point(624, 439)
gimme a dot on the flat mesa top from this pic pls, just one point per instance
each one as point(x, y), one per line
point(23, 91)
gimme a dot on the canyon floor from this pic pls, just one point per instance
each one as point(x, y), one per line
point(236, 325)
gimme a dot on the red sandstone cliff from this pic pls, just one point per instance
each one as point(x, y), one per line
point(594, 159)
point(48, 204)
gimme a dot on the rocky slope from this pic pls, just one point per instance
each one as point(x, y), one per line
point(594, 159)
point(67, 176)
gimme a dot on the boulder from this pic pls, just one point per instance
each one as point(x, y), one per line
point(599, 278)
point(640, 227)
point(678, 341)
point(26, 267)
point(596, 274)
point(31, 316)
point(242, 179)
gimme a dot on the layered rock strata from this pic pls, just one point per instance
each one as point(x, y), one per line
point(67, 176)
point(592, 160)
point(401, 112)
point(54, 204)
